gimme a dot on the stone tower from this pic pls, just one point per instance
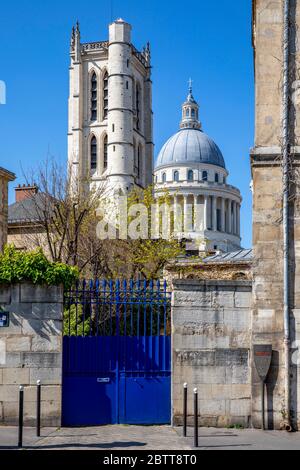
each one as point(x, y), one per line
point(276, 310)
point(110, 139)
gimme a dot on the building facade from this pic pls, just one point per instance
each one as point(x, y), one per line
point(191, 168)
point(5, 178)
point(110, 139)
point(276, 291)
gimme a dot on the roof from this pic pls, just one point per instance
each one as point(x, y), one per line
point(234, 257)
point(26, 210)
point(190, 146)
point(7, 174)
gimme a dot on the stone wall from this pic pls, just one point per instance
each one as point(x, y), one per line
point(31, 350)
point(211, 323)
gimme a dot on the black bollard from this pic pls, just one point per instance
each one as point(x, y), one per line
point(196, 443)
point(38, 409)
point(185, 389)
point(21, 414)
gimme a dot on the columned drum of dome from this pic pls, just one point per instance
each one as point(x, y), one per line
point(191, 167)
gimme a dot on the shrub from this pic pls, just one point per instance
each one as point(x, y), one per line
point(17, 266)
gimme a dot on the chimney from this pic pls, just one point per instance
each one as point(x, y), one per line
point(25, 192)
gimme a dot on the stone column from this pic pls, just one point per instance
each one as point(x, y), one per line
point(214, 213)
point(223, 225)
point(229, 216)
point(239, 220)
point(177, 216)
point(197, 215)
point(185, 214)
point(234, 218)
point(205, 215)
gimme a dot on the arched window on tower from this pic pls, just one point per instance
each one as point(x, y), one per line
point(105, 153)
point(94, 97)
point(176, 176)
point(164, 178)
point(217, 178)
point(204, 176)
point(94, 148)
point(190, 175)
point(105, 96)
point(138, 106)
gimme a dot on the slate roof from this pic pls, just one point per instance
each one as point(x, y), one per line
point(236, 256)
point(26, 211)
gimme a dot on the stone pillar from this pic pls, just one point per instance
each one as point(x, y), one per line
point(234, 218)
point(229, 215)
point(214, 213)
point(223, 227)
point(197, 215)
point(31, 350)
point(185, 214)
point(178, 216)
point(239, 220)
point(205, 215)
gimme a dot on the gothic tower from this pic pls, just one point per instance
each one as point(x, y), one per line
point(110, 138)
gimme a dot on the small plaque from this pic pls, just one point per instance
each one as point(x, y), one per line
point(4, 319)
point(105, 380)
point(262, 359)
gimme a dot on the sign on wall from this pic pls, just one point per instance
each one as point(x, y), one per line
point(4, 319)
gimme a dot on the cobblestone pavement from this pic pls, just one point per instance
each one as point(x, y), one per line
point(160, 438)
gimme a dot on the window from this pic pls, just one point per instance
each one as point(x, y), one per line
point(190, 175)
point(193, 113)
point(217, 178)
point(94, 154)
point(176, 176)
point(204, 176)
point(138, 106)
point(105, 153)
point(105, 95)
point(94, 97)
point(164, 178)
point(113, 128)
point(127, 85)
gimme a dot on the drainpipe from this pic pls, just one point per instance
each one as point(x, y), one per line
point(286, 195)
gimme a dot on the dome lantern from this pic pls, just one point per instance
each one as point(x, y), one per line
point(190, 111)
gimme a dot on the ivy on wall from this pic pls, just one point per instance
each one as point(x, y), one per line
point(17, 266)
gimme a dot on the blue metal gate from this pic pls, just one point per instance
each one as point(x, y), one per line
point(117, 354)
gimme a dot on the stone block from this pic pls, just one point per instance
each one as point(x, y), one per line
point(18, 343)
point(240, 407)
point(41, 328)
point(17, 376)
point(48, 376)
point(49, 344)
point(5, 295)
point(41, 294)
point(44, 311)
point(243, 299)
point(212, 407)
point(9, 393)
point(42, 360)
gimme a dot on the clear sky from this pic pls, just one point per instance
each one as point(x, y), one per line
point(208, 41)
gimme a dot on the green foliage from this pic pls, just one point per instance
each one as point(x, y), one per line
point(74, 324)
point(17, 266)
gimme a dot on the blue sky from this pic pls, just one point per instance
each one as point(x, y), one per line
point(208, 41)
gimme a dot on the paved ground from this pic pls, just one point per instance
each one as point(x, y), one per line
point(149, 438)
